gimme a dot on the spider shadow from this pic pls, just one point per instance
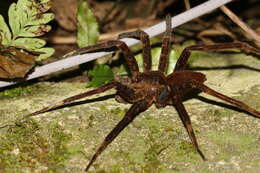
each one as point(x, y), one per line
point(221, 104)
point(194, 95)
point(98, 99)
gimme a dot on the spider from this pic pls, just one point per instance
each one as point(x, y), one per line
point(142, 89)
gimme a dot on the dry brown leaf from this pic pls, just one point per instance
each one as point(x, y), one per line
point(15, 63)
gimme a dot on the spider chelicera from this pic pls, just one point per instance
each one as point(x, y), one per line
point(142, 89)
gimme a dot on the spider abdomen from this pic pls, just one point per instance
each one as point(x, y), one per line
point(184, 76)
point(181, 80)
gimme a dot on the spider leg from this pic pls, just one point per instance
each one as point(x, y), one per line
point(135, 109)
point(166, 46)
point(76, 97)
point(182, 61)
point(187, 124)
point(128, 55)
point(143, 36)
point(230, 100)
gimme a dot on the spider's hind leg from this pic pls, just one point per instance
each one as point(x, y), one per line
point(230, 100)
point(182, 61)
point(143, 36)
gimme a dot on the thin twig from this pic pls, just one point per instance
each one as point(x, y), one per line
point(187, 4)
point(157, 29)
point(240, 23)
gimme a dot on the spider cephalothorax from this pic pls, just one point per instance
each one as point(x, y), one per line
point(142, 89)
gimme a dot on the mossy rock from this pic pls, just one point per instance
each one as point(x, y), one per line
point(64, 140)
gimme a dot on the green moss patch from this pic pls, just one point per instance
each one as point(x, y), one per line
point(17, 91)
point(23, 147)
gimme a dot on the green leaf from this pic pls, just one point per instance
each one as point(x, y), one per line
point(23, 12)
point(45, 53)
point(29, 43)
point(44, 1)
point(34, 31)
point(13, 22)
point(172, 61)
point(87, 25)
point(4, 32)
point(27, 19)
point(100, 74)
point(43, 19)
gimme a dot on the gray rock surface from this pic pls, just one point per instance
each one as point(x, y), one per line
point(64, 140)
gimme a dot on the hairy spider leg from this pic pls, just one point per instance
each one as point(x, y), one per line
point(187, 124)
point(134, 110)
point(182, 61)
point(76, 97)
point(166, 46)
point(143, 36)
point(177, 102)
point(236, 103)
point(128, 55)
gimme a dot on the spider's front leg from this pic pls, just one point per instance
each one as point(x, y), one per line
point(143, 36)
point(182, 61)
point(185, 119)
point(111, 44)
point(135, 110)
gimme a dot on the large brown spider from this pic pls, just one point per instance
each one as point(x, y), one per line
point(142, 89)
